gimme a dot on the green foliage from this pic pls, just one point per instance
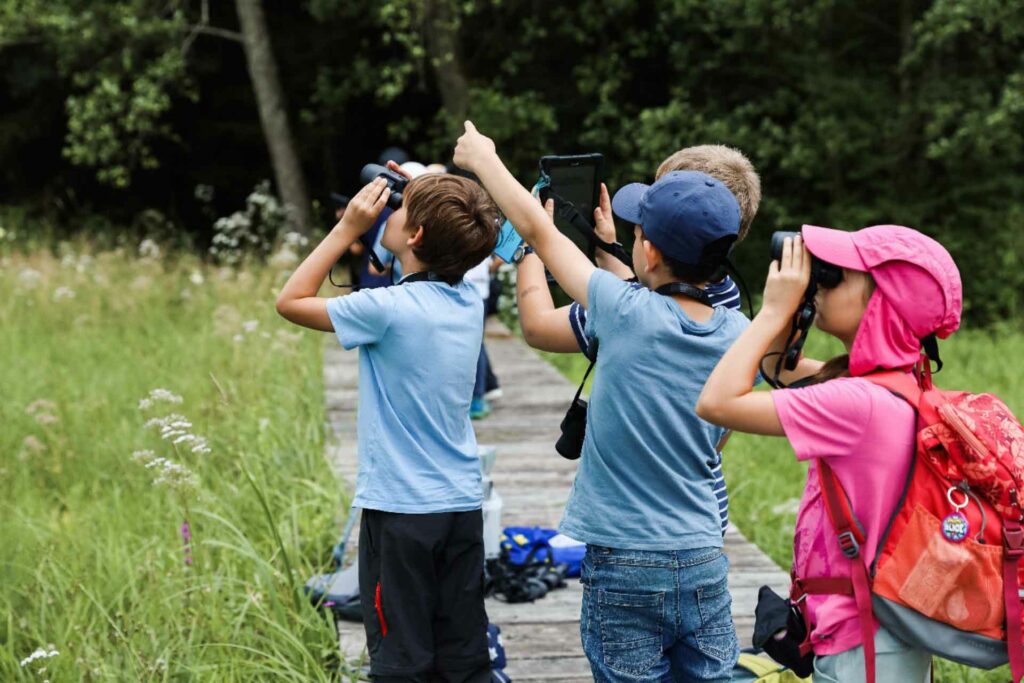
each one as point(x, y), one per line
point(93, 555)
point(855, 113)
point(124, 64)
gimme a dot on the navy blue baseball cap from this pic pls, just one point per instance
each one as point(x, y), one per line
point(682, 213)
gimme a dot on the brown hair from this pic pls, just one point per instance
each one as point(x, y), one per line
point(460, 223)
point(730, 166)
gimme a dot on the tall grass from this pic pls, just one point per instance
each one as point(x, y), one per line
point(93, 563)
point(765, 480)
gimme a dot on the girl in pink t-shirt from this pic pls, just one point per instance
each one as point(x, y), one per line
point(898, 287)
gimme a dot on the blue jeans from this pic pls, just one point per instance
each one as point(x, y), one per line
point(657, 616)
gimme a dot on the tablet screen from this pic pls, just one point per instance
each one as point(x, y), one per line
point(575, 179)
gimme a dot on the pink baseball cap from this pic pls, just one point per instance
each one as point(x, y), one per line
point(918, 290)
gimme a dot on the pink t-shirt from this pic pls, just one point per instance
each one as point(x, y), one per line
point(867, 435)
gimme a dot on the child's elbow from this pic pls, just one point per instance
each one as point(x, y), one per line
point(534, 333)
point(529, 331)
point(708, 409)
point(283, 308)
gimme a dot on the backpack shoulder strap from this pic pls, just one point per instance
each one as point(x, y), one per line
point(851, 537)
point(925, 402)
point(899, 383)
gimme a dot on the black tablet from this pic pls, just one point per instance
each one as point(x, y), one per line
point(575, 178)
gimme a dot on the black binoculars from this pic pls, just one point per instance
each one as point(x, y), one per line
point(824, 275)
point(396, 182)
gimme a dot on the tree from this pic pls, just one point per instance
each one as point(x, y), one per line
point(273, 114)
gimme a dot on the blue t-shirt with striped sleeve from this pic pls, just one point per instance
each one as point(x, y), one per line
point(724, 293)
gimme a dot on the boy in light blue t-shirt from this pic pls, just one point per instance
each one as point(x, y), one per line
point(656, 603)
point(421, 550)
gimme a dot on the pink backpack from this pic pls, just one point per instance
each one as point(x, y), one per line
point(947, 574)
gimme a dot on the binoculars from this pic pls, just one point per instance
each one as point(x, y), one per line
point(824, 275)
point(396, 182)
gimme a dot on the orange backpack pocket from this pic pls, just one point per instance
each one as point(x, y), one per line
point(956, 583)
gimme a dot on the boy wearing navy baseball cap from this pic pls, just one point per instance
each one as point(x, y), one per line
point(656, 603)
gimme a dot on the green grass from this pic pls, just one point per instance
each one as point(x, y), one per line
point(92, 559)
point(765, 480)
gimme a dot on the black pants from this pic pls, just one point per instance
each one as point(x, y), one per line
point(421, 589)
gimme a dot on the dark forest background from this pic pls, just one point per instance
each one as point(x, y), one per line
point(855, 112)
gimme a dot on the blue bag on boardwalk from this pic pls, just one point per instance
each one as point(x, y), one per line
point(528, 544)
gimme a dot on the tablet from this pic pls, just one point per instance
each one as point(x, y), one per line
point(575, 178)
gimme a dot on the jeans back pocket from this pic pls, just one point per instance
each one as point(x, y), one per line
point(631, 629)
point(716, 636)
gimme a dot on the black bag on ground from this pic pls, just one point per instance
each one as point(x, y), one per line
point(774, 615)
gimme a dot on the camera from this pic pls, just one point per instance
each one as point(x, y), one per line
point(574, 429)
point(396, 182)
point(824, 275)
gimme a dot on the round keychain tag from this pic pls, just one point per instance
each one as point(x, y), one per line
point(955, 526)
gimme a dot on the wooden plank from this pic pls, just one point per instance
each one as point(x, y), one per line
point(541, 638)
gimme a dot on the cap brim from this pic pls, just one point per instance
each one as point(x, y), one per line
point(833, 246)
point(626, 202)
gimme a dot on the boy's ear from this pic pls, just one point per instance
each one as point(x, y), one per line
point(416, 239)
point(652, 255)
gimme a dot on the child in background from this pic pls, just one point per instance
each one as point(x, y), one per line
point(563, 330)
point(480, 277)
point(656, 603)
point(421, 550)
point(898, 286)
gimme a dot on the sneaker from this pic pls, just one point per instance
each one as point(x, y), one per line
point(493, 394)
point(479, 408)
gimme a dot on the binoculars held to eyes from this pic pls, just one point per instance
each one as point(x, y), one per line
point(396, 182)
point(824, 275)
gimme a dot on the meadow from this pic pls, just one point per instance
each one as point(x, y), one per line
point(765, 480)
point(141, 394)
point(146, 391)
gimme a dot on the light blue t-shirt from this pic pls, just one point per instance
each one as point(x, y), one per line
point(645, 480)
point(418, 347)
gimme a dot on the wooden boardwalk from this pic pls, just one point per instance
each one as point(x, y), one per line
point(542, 638)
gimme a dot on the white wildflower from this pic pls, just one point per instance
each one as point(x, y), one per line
point(171, 474)
point(41, 653)
point(62, 293)
point(159, 396)
point(46, 419)
point(29, 277)
point(284, 257)
point(167, 420)
point(33, 445)
point(144, 456)
point(238, 337)
point(40, 405)
point(295, 239)
point(264, 423)
point(141, 282)
point(196, 278)
point(250, 325)
point(149, 249)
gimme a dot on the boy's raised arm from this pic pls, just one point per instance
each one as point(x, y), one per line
point(544, 327)
point(298, 301)
point(571, 268)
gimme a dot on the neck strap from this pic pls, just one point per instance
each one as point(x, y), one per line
point(685, 289)
point(423, 275)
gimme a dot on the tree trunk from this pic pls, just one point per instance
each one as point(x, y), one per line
point(441, 38)
point(273, 114)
